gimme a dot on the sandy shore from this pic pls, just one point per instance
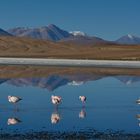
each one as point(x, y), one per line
point(70, 62)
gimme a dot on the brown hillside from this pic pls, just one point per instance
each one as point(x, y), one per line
point(25, 47)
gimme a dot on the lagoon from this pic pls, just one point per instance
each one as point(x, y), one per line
point(111, 103)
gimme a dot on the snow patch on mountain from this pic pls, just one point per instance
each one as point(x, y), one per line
point(77, 33)
point(76, 83)
point(129, 39)
point(130, 36)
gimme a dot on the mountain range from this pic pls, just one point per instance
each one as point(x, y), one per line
point(129, 39)
point(50, 32)
point(54, 33)
point(85, 40)
point(4, 33)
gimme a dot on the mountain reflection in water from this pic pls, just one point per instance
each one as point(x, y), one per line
point(54, 81)
point(111, 102)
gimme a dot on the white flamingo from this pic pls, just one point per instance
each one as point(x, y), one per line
point(56, 100)
point(83, 99)
point(14, 99)
point(13, 121)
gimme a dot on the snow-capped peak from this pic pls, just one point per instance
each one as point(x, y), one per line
point(129, 39)
point(130, 36)
point(77, 33)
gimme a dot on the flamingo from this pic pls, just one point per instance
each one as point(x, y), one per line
point(83, 99)
point(13, 99)
point(13, 121)
point(56, 100)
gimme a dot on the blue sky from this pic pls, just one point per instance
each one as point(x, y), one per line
point(108, 19)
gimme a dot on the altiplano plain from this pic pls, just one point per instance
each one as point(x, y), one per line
point(27, 47)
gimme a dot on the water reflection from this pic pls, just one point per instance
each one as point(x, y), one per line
point(107, 95)
point(52, 82)
point(13, 121)
point(55, 117)
point(138, 101)
point(138, 116)
point(82, 113)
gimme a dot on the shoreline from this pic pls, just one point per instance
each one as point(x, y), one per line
point(70, 62)
point(91, 134)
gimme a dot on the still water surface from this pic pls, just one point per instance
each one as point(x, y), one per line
point(111, 103)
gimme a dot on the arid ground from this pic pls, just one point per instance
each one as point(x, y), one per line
point(25, 47)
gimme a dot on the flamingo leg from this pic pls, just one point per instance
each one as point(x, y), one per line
point(16, 107)
point(56, 107)
point(83, 105)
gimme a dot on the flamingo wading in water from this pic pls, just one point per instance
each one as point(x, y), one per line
point(83, 99)
point(13, 121)
point(14, 99)
point(56, 100)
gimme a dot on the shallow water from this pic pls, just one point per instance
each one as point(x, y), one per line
point(111, 103)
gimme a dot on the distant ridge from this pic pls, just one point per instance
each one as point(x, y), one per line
point(85, 40)
point(50, 32)
point(54, 33)
point(4, 33)
point(129, 40)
